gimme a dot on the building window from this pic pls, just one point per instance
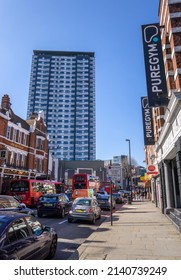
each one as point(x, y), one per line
point(40, 164)
point(37, 142)
point(41, 145)
point(36, 163)
point(12, 158)
point(20, 137)
point(14, 134)
point(8, 133)
point(17, 159)
point(24, 139)
point(23, 160)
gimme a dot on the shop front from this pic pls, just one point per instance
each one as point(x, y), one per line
point(169, 156)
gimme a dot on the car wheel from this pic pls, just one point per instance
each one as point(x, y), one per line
point(53, 248)
point(63, 213)
point(39, 214)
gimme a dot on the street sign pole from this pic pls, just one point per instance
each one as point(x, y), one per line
point(111, 204)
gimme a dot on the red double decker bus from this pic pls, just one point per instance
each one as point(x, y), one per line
point(84, 185)
point(28, 191)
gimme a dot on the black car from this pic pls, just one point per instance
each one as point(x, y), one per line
point(118, 198)
point(104, 201)
point(53, 204)
point(9, 203)
point(22, 237)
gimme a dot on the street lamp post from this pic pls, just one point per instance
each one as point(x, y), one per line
point(2, 176)
point(129, 142)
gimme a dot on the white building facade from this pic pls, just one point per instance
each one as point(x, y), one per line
point(62, 84)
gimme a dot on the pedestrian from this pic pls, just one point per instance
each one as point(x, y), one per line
point(145, 194)
point(142, 195)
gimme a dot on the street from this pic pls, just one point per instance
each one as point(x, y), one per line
point(72, 235)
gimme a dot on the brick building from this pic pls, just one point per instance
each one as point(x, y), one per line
point(166, 152)
point(23, 145)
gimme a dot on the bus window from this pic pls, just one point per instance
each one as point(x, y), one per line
point(19, 186)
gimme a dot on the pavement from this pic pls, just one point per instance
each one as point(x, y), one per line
point(139, 231)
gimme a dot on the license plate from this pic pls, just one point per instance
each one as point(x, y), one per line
point(48, 204)
point(79, 210)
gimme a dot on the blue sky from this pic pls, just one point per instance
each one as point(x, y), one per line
point(111, 29)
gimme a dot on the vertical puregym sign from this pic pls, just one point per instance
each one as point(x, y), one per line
point(147, 122)
point(155, 73)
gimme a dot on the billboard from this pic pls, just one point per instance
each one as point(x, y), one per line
point(147, 122)
point(154, 66)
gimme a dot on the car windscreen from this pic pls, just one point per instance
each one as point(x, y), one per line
point(8, 202)
point(103, 197)
point(48, 199)
point(86, 202)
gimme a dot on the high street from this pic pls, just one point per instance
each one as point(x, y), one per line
point(72, 235)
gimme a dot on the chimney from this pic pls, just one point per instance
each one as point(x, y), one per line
point(5, 103)
point(33, 116)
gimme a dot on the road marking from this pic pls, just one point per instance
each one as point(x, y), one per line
point(62, 222)
point(64, 240)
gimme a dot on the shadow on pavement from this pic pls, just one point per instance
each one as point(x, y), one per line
point(136, 212)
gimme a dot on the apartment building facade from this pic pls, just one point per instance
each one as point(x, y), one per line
point(62, 84)
point(23, 145)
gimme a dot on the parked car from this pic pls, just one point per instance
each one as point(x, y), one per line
point(53, 204)
point(85, 208)
point(125, 193)
point(22, 237)
point(104, 201)
point(118, 198)
point(9, 203)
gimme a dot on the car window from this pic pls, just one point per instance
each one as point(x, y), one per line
point(35, 225)
point(11, 235)
point(20, 229)
point(66, 198)
point(9, 202)
point(83, 202)
point(61, 198)
point(102, 197)
point(48, 199)
point(2, 225)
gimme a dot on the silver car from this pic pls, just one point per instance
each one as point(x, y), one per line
point(85, 208)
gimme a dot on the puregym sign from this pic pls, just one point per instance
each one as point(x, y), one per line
point(154, 66)
point(147, 122)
